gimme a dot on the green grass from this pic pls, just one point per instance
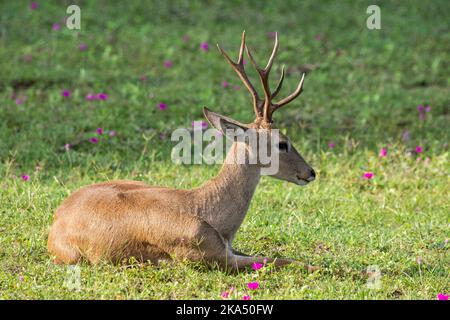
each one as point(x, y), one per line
point(362, 96)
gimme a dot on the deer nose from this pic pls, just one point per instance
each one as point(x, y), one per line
point(312, 175)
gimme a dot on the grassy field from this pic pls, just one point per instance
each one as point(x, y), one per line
point(361, 96)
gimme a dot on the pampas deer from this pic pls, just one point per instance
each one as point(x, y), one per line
point(117, 220)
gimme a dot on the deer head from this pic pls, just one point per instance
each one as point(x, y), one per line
point(292, 166)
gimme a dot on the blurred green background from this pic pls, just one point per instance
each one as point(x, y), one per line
point(365, 84)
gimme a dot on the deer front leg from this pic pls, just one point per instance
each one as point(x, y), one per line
point(214, 249)
point(239, 262)
point(278, 262)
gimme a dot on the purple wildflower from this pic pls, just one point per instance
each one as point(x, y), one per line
point(90, 97)
point(204, 46)
point(168, 64)
point(257, 266)
point(199, 125)
point(253, 285)
point(368, 175)
point(271, 34)
point(94, 140)
point(442, 296)
point(102, 96)
point(27, 58)
point(19, 101)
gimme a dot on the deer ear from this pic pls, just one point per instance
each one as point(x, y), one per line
point(223, 123)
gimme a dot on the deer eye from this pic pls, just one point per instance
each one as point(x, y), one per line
point(283, 146)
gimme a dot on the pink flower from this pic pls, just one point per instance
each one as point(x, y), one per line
point(34, 5)
point(383, 152)
point(102, 96)
point(67, 146)
point(446, 241)
point(331, 145)
point(90, 97)
point(199, 125)
point(83, 47)
point(225, 84)
point(168, 64)
point(112, 133)
point(66, 93)
point(186, 38)
point(368, 175)
point(246, 297)
point(56, 26)
point(93, 140)
point(27, 58)
point(236, 87)
point(419, 260)
point(318, 37)
point(204, 46)
point(419, 149)
point(162, 106)
point(442, 296)
point(271, 34)
point(143, 77)
point(99, 130)
point(25, 177)
point(225, 294)
point(422, 109)
point(19, 101)
point(253, 285)
point(257, 266)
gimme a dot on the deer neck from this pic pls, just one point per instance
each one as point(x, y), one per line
point(226, 198)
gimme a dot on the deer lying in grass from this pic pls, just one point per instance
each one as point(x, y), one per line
point(118, 220)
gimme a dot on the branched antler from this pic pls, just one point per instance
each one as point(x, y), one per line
point(263, 108)
point(240, 70)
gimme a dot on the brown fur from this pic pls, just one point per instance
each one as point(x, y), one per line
point(117, 220)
